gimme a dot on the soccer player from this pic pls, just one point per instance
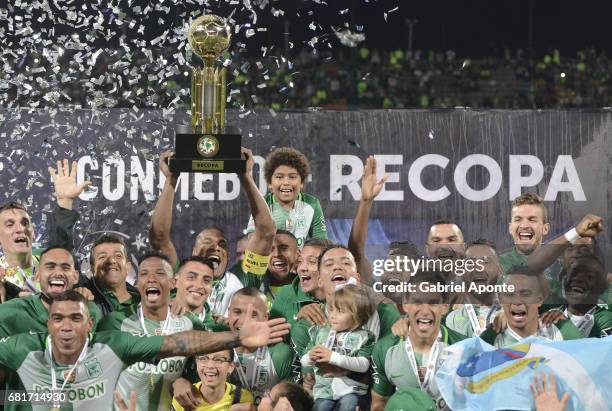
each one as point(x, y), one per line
point(337, 267)
point(109, 265)
point(19, 260)
point(211, 242)
point(370, 188)
point(214, 392)
point(55, 274)
point(286, 170)
point(153, 317)
point(86, 367)
point(400, 363)
point(479, 308)
point(579, 240)
point(194, 282)
point(292, 299)
point(280, 267)
point(528, 226)
point(520, 306)
point(257, 369)
point(583, 284)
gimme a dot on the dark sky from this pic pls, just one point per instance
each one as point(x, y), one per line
point(472, 28)
point(475, 27)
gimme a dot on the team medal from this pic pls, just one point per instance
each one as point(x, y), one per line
point(289, 224)
point(425, 375)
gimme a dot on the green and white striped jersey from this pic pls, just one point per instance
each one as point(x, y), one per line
point(356, 343)
point(459, 320)
point(259, 374)
point(27, 363)
point(562, 330)
point(152, 383)
point(392, 369)
point(305, 220)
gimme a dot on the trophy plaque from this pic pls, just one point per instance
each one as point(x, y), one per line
point(206, 145)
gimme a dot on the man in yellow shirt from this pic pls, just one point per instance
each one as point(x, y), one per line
point(213, 390)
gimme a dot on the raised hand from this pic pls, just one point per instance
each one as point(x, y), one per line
point(163, 165)
point(250, 162)
point(370, 188)
point(64, 181)
point(545, 394)
point(255, 334)
point(589, 226)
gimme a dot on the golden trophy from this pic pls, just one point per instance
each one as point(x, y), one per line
point(207, 145)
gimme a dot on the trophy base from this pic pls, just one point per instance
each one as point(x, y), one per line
point(199, 165)
point(207, 152)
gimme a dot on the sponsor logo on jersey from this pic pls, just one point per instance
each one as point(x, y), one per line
point(93, 368)
point(74, 394)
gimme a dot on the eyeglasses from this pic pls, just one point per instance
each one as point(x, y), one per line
point(215, 360)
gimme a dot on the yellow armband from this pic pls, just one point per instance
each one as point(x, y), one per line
point(254, 263)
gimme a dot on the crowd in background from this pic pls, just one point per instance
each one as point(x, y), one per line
point(358, 79)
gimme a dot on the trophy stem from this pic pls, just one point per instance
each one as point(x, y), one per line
point(208, 90)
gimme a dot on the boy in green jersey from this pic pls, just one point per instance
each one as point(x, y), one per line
point(411, 361)
point(286, 171)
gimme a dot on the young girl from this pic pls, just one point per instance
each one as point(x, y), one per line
point(342, 343)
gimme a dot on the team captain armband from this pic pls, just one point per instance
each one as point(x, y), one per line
point(255, 263)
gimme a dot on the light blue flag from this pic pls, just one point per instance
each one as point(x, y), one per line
point(477, 376)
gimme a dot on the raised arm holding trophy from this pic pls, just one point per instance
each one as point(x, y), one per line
point(207, 145)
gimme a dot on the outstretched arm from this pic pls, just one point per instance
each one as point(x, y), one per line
point(260, 242)
point(161, 221)
point(63, 218)
point(370, 188)
point(252, 334)
point(544, 256)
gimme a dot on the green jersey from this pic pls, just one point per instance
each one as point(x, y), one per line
point(596, 323)
point(356, 343)
point(26, 359)
point(459, 320)
point(392, 368)
point(28, 314)
point(305, 220)
point(262, 282)
point(379, 325)
point(512, 258)
point(289, 300)
point(152, 383)
point(562, 330)
point(261, 370)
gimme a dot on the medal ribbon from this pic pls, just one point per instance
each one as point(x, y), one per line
point(216, 296)
point(585, 325)
point(258, 370)
point(471, 312)
point(164, 330)
point(82, 355)
point(431, 364)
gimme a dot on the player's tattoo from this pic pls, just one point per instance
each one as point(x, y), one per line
point(189, 343)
